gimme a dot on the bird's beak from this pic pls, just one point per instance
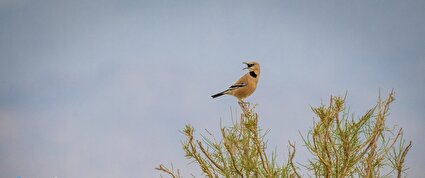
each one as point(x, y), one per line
point(245, 67)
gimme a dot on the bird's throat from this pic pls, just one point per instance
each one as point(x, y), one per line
point(253, 74)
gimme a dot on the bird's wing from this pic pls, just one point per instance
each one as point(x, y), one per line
point(237, 85)
point(242, 82)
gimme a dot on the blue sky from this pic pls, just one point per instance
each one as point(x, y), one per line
point(102, 88)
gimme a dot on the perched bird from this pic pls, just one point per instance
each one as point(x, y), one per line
point(246, 85)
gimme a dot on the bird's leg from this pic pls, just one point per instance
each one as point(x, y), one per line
point(244, 106)
point(242, 103)
point(240, 100)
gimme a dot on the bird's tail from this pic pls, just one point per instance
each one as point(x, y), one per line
point(219, 94)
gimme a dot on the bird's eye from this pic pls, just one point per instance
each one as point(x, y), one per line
point(250, 65)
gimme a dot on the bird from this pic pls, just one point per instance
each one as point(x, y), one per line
point(246, 85)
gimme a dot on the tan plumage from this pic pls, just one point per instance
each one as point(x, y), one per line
point(246, 85)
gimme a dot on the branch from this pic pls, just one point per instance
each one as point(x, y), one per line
point(166, 170)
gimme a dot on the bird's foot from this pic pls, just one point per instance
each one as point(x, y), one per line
point(244, 106)
point(242, 102)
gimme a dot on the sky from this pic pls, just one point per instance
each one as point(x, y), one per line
point(103, 88)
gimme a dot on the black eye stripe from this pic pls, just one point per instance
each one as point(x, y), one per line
point(250, 65)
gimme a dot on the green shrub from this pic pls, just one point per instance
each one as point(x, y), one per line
point(341, 146)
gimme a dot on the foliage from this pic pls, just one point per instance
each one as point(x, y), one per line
point(345, 147)
point(341, 146)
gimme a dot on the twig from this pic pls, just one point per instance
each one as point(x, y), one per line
point(291, 158)
point(166, 170)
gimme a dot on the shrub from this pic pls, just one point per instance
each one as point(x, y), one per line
point(341, 146)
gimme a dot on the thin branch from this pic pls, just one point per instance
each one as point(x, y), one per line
point(168, 171)
point(291, 158)
point(205, 152)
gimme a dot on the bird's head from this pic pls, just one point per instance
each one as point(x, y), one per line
point(253, 66)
